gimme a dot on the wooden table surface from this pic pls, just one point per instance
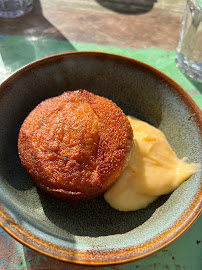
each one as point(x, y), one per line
point(129, 24)
point(124, 23)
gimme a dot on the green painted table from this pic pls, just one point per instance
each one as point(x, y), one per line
point(128, 28)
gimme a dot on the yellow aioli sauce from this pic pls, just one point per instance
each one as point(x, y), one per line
point(153, 170)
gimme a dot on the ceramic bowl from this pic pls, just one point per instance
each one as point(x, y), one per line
point(92, 233)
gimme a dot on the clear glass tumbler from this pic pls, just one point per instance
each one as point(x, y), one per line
point(14, 8)
point(189, 51)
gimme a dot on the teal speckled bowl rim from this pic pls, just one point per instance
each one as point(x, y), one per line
point(115, 256)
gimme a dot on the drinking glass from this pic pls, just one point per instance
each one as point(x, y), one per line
point(14, 8)
point(189, 51)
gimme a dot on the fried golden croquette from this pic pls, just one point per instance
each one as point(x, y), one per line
point(76, 145)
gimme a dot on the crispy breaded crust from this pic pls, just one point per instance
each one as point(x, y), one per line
point(75, 146)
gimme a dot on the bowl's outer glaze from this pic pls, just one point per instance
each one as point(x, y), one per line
point(92, 232)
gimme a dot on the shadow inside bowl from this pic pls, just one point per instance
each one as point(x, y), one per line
point(95, 217)
point(11, 169)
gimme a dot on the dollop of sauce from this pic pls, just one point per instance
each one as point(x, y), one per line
point(153, 170)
